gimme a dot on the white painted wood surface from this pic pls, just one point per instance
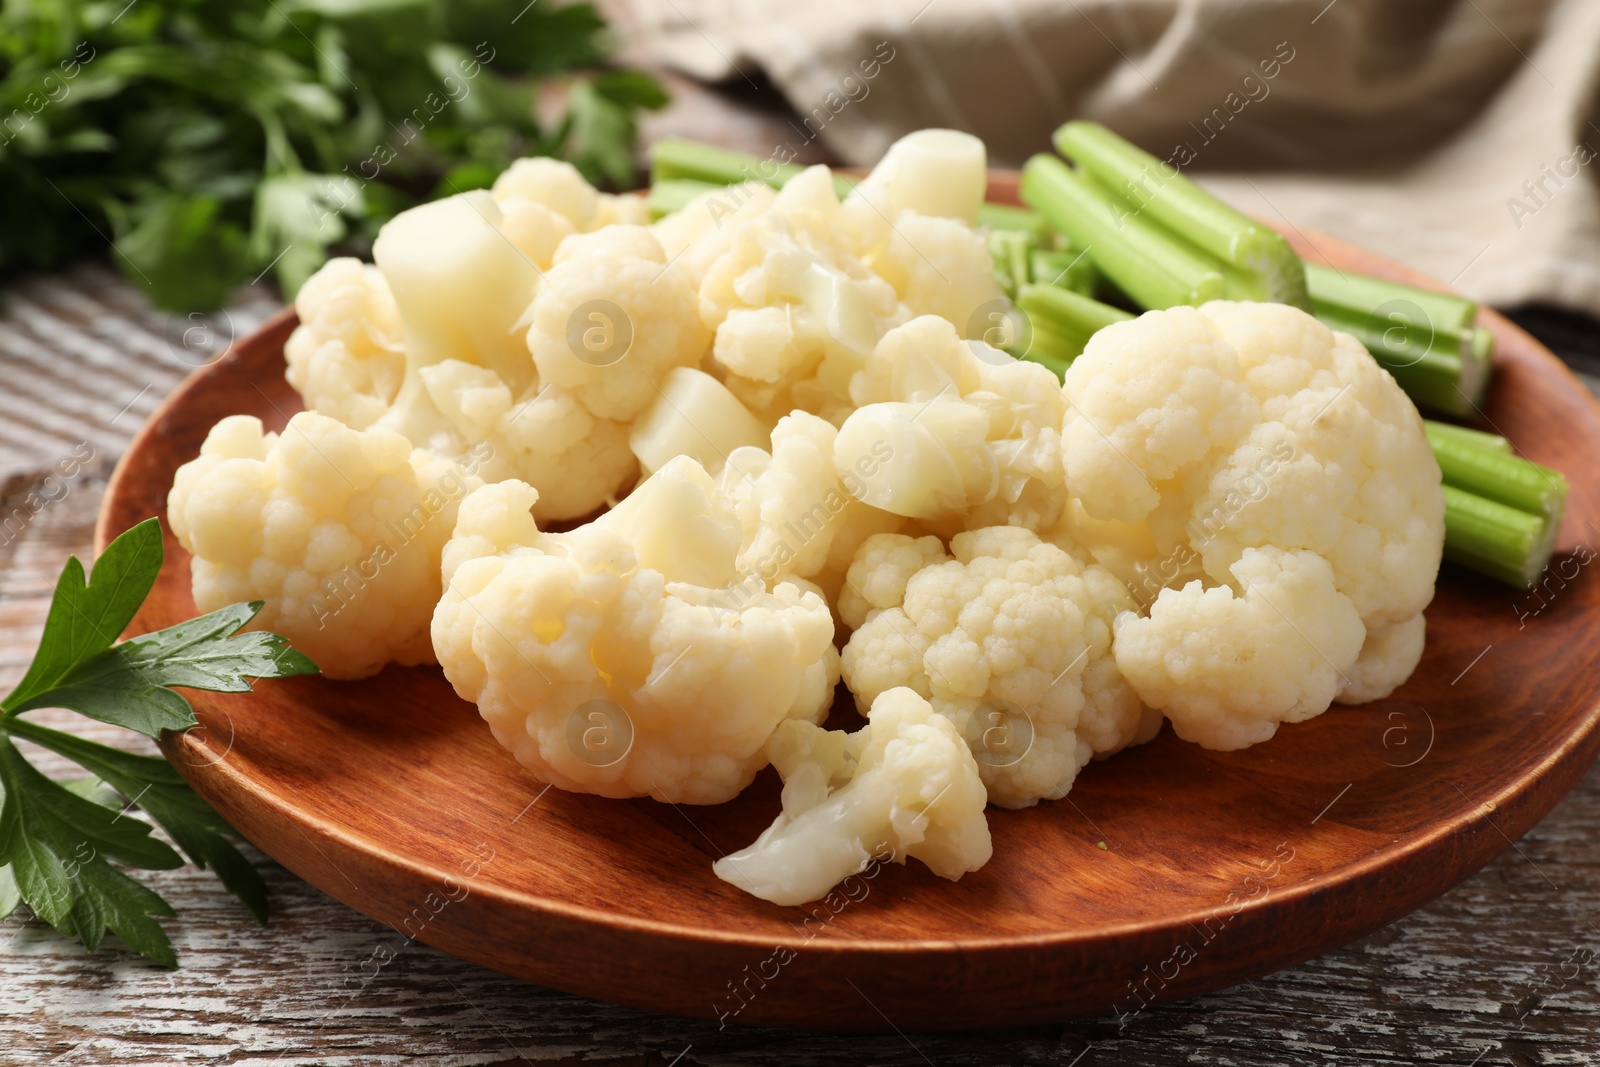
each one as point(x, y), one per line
point(1504, 970)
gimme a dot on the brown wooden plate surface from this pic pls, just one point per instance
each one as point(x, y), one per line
point(1169, 870)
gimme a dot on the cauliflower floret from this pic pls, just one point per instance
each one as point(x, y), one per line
point(941, 267)
point(337, 530)
point(345, 358)
point(607, 659)
point(1227, 668)
point(620, 209)
point(699, 233)
point(536, 230)
point(554, 183)
point(790, 500)
point(1149, 401)
point(1388, 656)
point(1010, 639)
point(559, 187)
point(972, 435)
point(545, 437)
point(903, 785)
point(1234, 426)
point(611, 318)
point(795, 309)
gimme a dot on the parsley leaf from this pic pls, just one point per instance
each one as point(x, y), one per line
point(160, 791)
point(58, 840)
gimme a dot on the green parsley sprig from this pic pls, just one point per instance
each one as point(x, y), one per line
point(58, 840)
point(218, 140)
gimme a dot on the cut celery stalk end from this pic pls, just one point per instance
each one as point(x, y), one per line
point(1496, 539)
point(1466, 435)
point(1152, 187)
point(1148, 265)
point(1446, 369)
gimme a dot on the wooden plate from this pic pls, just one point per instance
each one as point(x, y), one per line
point(1169, 870)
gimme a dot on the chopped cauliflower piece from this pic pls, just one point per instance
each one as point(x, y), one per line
point(903, 785)
point(790, 501)
point(1010, 639)
point(943, 267)
point(1228, 667)
point(974, 434)
point(552, 183)
point(337, 530)
point(795, 309)
point(607, 659)
point(1216, 430)
point(611, 318)
point(544, 437)
point(694, 416)
point(345, 358)
point(938, 173)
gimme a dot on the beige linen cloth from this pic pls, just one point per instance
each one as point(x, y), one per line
point(1453, 135)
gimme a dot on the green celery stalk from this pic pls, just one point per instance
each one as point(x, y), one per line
point(1496, 539)
point(1062, 322)
point(1146, 263)
point(1265, 266)
point(1068, 269)
point(675, 158)
point(1482, 439)
point(1008, 217)
point(1499, 476)
point(674, 194)
point(1347, 289)
point(1425, 339)
point(1010, 251)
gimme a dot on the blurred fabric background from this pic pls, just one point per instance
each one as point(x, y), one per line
point(1453, 135)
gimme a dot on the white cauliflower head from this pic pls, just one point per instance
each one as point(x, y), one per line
point(1227, 667)
point(1234, 426)
point(971, 436)
point(608, 660)
point(903, 785)
point(1010, 639)
point(345, 359)
point(337, 530)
